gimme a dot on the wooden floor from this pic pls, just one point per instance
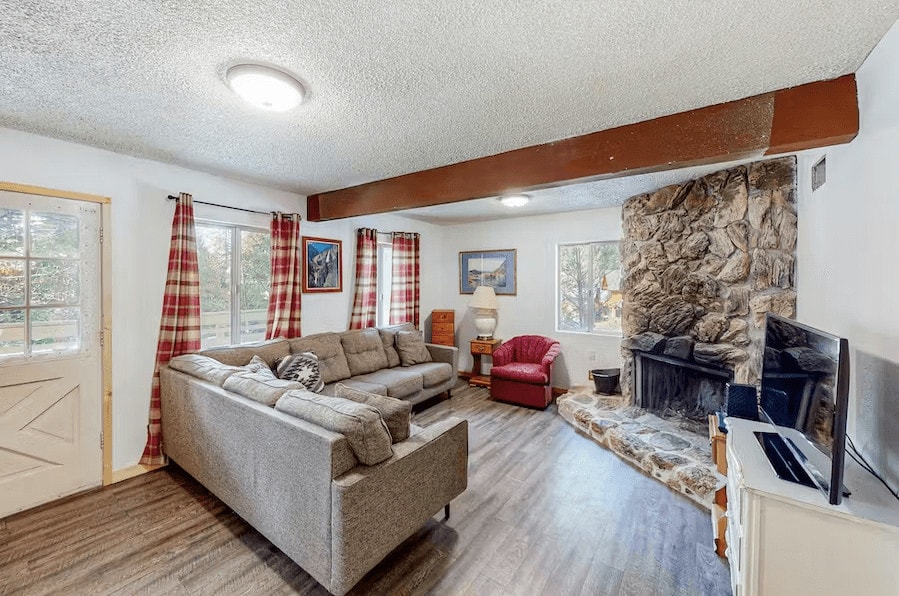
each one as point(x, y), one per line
point(547, 511)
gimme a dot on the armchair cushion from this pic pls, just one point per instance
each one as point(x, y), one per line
point(524, 372)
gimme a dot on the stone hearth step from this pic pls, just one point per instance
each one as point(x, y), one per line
point(676, 452)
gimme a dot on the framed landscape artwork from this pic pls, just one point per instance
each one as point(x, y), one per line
point(322, 269)
point(494, 268)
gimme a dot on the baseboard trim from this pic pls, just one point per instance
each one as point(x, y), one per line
point(132, 471)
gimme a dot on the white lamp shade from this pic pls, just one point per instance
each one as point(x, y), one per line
point(484, 298)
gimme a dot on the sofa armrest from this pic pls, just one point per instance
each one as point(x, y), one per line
point(375, 508)
point(448, 354)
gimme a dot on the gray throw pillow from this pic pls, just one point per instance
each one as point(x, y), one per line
point(411, 347)
point(397, 414)
point(303, 368)
point(259, 366)
point(261, 387)
point(361, 424)
point(204, 367)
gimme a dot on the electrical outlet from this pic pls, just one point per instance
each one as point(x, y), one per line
point(591, 356)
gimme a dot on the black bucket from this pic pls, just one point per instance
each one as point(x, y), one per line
point(606, 379)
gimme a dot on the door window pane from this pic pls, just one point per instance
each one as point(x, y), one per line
point(214, 258)
point(54, 329)
point(54, 281)
point(12, 332)
point(12, 232)
point(12, 283)
point(255, 274)
point(53, 235)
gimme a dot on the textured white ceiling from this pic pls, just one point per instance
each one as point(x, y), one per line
point(399, 86)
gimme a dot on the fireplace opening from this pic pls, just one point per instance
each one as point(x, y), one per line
point(670, 386)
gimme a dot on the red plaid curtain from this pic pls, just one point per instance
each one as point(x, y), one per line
point(404, 289)
point(179, 328)
point(287, 271)
point(365, 300)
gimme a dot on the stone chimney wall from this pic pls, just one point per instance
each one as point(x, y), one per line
point(706, 259)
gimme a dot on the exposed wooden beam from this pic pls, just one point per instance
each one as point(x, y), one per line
point(812, 115)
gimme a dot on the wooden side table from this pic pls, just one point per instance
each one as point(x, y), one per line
point(481, 347)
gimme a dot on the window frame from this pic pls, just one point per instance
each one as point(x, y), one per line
point(558, 294)
point(235, 286)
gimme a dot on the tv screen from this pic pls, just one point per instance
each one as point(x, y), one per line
point(804, 393)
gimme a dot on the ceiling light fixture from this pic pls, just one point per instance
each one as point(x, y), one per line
point(515, 200)
point(265, 87)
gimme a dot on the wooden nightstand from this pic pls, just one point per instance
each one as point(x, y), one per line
point(481, 347)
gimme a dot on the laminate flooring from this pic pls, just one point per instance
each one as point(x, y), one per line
point(547, 511)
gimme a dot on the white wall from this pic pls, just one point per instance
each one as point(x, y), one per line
point(533, 309)
point(848, 255)
point(141, 228)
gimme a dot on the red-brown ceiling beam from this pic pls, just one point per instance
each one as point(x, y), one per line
point(812, 115)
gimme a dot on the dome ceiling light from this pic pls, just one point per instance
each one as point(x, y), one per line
point(515, 200)
point(265, 87)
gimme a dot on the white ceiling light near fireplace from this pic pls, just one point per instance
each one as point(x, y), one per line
point(265, 87)
point(515, 200)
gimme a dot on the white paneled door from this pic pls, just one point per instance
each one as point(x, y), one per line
point(51, 381)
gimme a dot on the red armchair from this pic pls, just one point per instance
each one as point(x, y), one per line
point(522, 370)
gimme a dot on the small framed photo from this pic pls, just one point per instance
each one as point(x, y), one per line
point(494, 268)
point(322, 265)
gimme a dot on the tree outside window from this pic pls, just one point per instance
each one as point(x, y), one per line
point(589, 286)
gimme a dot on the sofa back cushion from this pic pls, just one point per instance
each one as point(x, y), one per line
point(364, 350)
point(303, 368)
point(204, 367)
point(396, 413)
point(388, 340)
point(261, 387)
point(271, 351)
point(361, 424)
point(411, 347)
point(327, 347)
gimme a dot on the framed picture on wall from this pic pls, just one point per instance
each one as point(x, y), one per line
point(322, 268)
point(494, 268)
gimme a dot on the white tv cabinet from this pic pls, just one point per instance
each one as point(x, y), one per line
point(784, 538)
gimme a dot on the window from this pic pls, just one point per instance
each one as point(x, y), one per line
point(49, 267)
point(233, 307)
point(589, 287)
point(385, 278)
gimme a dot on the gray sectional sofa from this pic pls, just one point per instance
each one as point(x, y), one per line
point(301, 485)
point(365, 359)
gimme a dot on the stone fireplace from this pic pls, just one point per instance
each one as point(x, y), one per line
point(702, 262)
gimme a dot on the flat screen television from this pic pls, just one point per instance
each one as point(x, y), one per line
point(804, 395)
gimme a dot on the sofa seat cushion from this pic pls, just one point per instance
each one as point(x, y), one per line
point(397, 414)
point(524, 372)
point(361, 424)
point(377, 388)
point(411, 347)
point(364, 350)
point(388, 340)
point(400, 382)
point(331, 359)
point(432, 373)
point(259, 386)
point(303, 368)
point(271, 351)
point(204, 367)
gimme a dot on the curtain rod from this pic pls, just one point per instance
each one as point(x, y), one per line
point(174, 198)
